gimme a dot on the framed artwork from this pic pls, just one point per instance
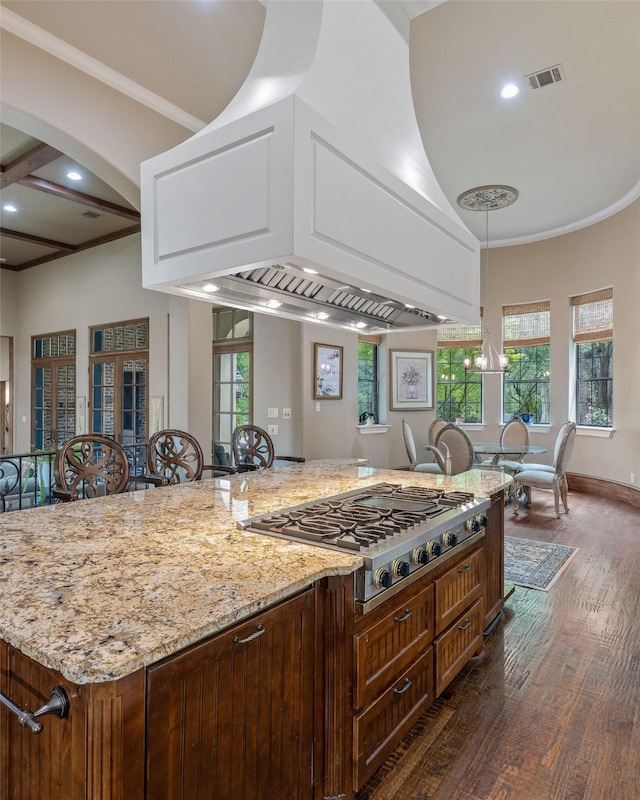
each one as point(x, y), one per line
point(327, 372)
point(412, 386)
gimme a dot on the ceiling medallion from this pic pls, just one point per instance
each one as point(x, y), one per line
point(487, 198)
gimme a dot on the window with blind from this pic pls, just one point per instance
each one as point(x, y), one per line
point(526, 336)
point(232, 345)
point(119, 378)
point(368, 377)
point(593, 342)
point(53, 393)
point(459, 392)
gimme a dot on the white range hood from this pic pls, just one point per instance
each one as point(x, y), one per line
point(316, 164)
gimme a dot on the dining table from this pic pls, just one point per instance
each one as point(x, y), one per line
point(498, 450)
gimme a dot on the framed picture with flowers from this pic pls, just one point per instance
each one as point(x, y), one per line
point(327, 372)
point(412, 384)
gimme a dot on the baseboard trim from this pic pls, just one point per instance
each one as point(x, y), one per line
point(600, 486)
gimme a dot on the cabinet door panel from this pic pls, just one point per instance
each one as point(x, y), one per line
point(233, 717)
point(456, 646)
point(379, 729)
point(457, 589)
point(386, 648)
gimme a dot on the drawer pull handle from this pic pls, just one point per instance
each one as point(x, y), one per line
point(464, 625)
point(259, 631)
point(407, 684)
point(466, 568)
point(406, 615)
point(58, 705)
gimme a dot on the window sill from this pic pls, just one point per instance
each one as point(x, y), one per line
point(599, 433)
point(369, 429)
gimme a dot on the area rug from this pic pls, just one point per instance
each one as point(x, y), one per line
point(535, 565)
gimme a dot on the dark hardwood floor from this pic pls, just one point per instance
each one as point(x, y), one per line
point(551, 709)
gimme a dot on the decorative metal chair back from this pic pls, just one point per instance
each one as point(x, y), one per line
point(175, 455)
point(434, 429)
point(89, 466)
point(460, 447)
point(252, 448)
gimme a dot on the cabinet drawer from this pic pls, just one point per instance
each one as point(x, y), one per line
point(390, 645)
point(457, 589)
point(455, 647)
point(379, 729)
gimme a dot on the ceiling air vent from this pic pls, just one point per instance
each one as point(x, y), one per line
point(546, 77)
point(90, 215)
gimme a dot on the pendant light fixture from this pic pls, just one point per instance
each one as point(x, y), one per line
point(487, 198)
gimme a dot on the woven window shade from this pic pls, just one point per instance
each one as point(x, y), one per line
point(593, 316)
point(526, 324)
point(460, 335)
point(374, 339)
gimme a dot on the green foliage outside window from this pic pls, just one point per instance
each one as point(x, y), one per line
point(526, 383)
point(368, 379)
point(594, 385)
point(459, 393)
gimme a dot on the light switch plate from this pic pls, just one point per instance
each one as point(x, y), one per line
point(272, 413)
point(286, 413)
point(272, 430)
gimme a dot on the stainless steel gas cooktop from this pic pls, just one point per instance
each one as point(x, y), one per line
point(397, 530)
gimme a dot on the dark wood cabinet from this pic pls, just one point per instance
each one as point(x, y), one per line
point(493, 548)
point(390, 644)
point(398, 666)
point(233, 717)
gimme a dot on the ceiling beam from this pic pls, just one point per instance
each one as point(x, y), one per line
point(28, 237)
point(39, 156)
point(109, 237)
point(65, 193)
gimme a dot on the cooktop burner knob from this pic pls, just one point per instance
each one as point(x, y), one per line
point(420, 556)
point(400, 568)
point(482, 519)
point(472, 525)
point(382, 579)
point(450, 539)
point(434, 548)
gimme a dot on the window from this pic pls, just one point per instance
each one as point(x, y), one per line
point(459, 392)
point(526, 337)
point(119, 370)
point(593, 339)
point(53, 387)
point(368, 377)
point(232, 365)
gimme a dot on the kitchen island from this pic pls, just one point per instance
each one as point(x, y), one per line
point(100, 596)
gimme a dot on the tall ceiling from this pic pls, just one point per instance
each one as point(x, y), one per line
point(571, 148)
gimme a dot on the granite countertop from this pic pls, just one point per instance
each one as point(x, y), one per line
point(99, 588)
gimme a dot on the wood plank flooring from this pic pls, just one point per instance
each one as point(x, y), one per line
point(551, 709)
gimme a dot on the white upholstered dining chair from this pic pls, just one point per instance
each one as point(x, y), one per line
point(545, 476)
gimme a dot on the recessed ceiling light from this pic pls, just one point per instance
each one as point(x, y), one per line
point(509, 90)
point(11, 209)
point(322, 315)
point(310, 271)
point(362, 289)
point(210, 287)
point(408, 305)
point(441, 318)
point(273, 304)
point(74, 176)
point(361, 324)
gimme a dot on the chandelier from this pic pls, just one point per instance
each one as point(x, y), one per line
point(487, 198)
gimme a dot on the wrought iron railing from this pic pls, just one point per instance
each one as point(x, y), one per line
point(26, 480)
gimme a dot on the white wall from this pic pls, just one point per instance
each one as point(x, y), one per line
point(93, 287)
